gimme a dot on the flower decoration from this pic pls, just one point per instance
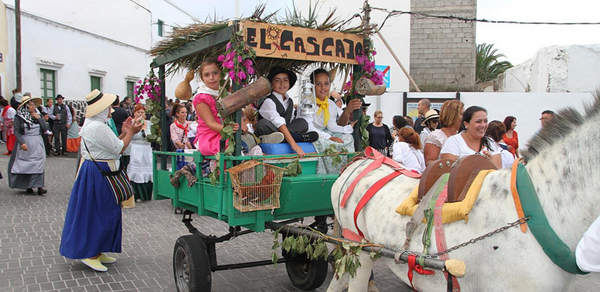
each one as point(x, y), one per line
point(369, 71)
point(238, 62)
point(149, 91)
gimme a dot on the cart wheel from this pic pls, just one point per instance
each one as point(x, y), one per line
point(191, 265)
point(305, 274)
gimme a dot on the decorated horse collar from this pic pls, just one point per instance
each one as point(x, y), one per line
point(528, 205)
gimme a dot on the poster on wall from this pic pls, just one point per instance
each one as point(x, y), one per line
point(410, 105)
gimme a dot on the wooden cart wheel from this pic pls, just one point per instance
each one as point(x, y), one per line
point(305, 274)
point(191, 265)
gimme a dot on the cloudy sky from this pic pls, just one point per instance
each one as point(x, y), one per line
point(518, 42)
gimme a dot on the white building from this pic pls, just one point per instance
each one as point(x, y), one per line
point(76, 46)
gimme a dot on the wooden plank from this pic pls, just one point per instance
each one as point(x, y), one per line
point(297, 43)
point(217, 38)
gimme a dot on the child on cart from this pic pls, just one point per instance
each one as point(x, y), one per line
point(276, 113)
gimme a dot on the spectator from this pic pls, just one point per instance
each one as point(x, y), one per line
point(450, 119)
point(93, 222)
point(511, 138)
point(28, 160)
point(127, 105)
point(496, 130)
point(61, 115)
point(423, 106)
point(380, 136)
point(587, 253)
point(409, 121)
point(430, 123)
point(15, 100)
point(407, 150)
point(547, 116)
point(473, 139)
point(73, 138)
point(119, 115)
point(8, 116)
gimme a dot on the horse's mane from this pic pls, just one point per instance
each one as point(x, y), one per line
point(562, 124)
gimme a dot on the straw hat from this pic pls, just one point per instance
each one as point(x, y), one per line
point(97, 102)
point(430, 115)
point(25, 99)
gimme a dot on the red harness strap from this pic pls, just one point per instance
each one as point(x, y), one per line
point(440, 235)
point(413, 266)
point(369, 194)
point(379, 159)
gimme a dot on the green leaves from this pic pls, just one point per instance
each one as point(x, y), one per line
point(294, 168)
point(312, 248)
point(487, 65)
point(335, 155)
point(347, 259)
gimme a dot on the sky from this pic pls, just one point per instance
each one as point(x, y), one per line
point(517, 42)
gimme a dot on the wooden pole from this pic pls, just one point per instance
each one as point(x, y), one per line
point(398, 61)
point(163, 116)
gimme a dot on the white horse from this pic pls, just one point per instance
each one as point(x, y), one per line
point(563, 161)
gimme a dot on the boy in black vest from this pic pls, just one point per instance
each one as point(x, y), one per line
point(276, 113)
point(61, 116)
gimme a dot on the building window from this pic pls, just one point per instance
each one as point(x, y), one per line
point(160, 27)
point(130, 88)
point(96, 82)
point(48, 84)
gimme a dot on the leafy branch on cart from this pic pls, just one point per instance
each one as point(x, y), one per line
point(148, 90)
point(346, 254)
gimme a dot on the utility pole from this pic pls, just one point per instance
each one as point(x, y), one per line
point(18, 40)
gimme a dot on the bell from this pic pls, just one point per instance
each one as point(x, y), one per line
point(308, 103)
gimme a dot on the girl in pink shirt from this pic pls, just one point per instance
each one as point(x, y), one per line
point(208, 133)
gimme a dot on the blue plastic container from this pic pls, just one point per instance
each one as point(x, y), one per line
point(284, 148)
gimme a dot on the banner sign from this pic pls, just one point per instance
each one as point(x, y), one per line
point(297, 43)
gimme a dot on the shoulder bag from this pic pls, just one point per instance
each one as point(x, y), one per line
point(118, 181)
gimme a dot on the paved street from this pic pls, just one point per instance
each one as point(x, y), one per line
point(31, 226)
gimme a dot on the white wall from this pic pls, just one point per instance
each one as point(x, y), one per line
point(555, 69)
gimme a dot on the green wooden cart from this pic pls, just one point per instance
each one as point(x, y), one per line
point(305, 195)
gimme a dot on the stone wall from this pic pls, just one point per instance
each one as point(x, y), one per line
point(443, 51)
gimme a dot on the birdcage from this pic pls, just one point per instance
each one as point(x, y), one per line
point(256, 186)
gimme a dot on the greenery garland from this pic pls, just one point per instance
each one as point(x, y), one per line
point(149, 90)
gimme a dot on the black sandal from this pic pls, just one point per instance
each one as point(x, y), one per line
point(41, 191)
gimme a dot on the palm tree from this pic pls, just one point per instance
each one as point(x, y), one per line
point(488, 67)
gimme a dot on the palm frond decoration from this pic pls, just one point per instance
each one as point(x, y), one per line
point(488, 66)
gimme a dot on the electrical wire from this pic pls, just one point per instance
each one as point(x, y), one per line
point(452, 17)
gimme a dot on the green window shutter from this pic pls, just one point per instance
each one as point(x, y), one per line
point(160, 27)
point(47, 83)
point(95, 82)
point(130, 88)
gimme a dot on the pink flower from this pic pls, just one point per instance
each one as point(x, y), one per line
point(374, 53)
point(239, 59)
point(230, 56)
point(228, 46)
point(221, 58)
point(250, 70)
point(228, 65)
point(231, 75)
point(241, 75)
point(150, 95)
point(247, 63)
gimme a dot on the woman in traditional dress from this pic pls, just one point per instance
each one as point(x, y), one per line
point(139, 169)
point(325, 124)
point(93, 223)
point(73, 138)
point(180, 127)
point(28, 159)
point(8, 115)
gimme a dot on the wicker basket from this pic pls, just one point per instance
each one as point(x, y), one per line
point(256, 186)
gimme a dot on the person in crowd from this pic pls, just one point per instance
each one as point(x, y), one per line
point(250, 115)
point(409, 121)
point(61, 116)
point(73, 138)
point(276, 113)
point(191, 113)
point(430, 123)
point(8, 116)
point(423, 106)
point(324, 122)
point(180, 127)
point(511, 138)
point(28, 160)
point(451, 115)
point(380, 136)
point(406, 150)
point(47, 108)
point(400, 121)
point(127, 105)
point(587, 252)
point(119, 115)
point(139, 169)
point(48, 134)
point(249, 141)
point(547, 116)
point(208, 132)
point(473, 139)
point(15, 100)
point(496, 130)
point(93, 222)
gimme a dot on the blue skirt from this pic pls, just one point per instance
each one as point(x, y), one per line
point(93, 223)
